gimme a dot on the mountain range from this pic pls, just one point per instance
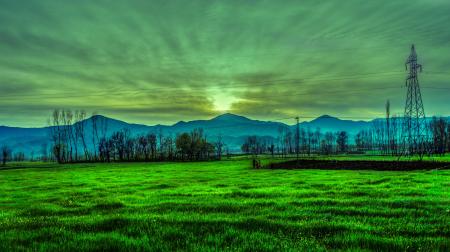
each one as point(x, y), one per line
point(232, 128)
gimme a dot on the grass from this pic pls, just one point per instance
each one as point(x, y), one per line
point(221, 206)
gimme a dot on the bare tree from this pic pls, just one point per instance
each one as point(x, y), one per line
point(285, 139)
point(67, 117)
point(105, 149)
point(6, 154)
point(271, 149)
point(327, 144)
point(280, 141)
point(80, 126)
point(303, 141)
point(153, 144)
point(394, 135)
point(161, 136)
point(18, 156)
point(438, 129)
point(309, 135)
point(219, 146)
point(57, 136)
point(183, 144)
point(119, 140)
point(130, 149)
point(388, 128)
point(95, 138)
point(342, 141)
point(379, 131)
point(316, 139)
point(448, 136)
point(288, 141)
point(104, 144)
point(169, 147)
point(142, 147)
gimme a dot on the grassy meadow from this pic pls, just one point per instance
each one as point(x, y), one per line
point(221, 206)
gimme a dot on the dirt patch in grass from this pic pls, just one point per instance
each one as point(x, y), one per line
point(359, 165)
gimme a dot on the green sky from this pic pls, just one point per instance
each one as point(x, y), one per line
point(164, 61)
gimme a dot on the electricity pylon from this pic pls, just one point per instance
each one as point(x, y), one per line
point(414, 122)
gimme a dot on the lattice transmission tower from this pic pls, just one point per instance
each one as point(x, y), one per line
point(414, 122)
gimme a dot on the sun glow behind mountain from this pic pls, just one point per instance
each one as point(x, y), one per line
point(222, 102)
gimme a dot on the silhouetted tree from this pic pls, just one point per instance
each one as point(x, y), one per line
point(80, 125)
point(439, 135)
point(6, 154)
point(168, 147)
point(317, 135)
point(57, 136)
point(394, 135)
point(18, 157)
point(327, 143)
point(183, 144)
point(105, 149)
point(448, 136)
point(342, 141)
point(271, 149)
point(219, 145)
point(152, 142)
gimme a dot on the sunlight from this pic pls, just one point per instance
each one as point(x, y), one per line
point(223, 101)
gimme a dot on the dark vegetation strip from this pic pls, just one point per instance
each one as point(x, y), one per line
point(358, 165)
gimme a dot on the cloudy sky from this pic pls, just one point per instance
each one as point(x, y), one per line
point(164, 61)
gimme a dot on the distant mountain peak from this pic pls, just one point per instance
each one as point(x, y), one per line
point(326, 117)
point(102, 117)
point(180, 123)
point(230, 117)
point(109, 121)
point(99, 116)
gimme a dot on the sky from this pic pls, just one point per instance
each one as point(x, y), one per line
point(164, 61)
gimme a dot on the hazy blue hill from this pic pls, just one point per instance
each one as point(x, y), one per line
point(228, 117)
point(329, 123)
point(230, 125)
point(233, 129)
point(26, 140)
point(113, 125)
point(9, 132)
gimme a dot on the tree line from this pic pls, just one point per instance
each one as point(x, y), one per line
point(383, 137)
point(309, 143)
point(386, 137)
point(75, 139)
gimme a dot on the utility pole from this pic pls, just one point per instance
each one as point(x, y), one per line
point(414, 124)
point(297, 138)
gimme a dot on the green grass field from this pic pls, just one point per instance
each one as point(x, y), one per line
point(221, 205)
